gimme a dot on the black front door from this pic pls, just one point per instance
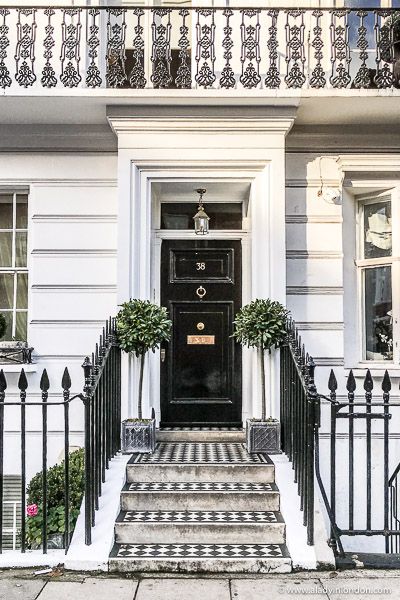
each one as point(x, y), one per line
point(201, 368)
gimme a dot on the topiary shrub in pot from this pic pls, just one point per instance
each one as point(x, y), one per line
point(262, 325)
point(141, 326)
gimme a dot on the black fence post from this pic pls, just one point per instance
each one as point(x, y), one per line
point(87, 399)
point(3, 387)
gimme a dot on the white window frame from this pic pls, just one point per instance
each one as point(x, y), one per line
point(13, 269)
point(362, 264)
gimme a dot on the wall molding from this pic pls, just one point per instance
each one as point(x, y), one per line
point(305, 290)
point(72, 288)
point(312, 254)
point(319, 326)
point(321, 219)
point(78, 252)
point(75, 218)
point(70, 323)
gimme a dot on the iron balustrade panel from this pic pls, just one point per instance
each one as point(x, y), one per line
point(199, 48)
point(102, 409)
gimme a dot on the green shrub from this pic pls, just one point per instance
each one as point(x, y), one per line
point(55, 498)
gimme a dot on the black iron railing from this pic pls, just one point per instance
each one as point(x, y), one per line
point(183, 48)
point(102, 401)
point(370, 499)
point(298, 404)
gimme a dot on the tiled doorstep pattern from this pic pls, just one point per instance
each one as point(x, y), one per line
point(199, 516)
point(199, 486)
point(199, 551)
point(200, 429)
point(201, 453)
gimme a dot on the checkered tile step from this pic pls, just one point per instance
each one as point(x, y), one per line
point(198, 516)
point(201, 452)
point(198, 486)
point(200, 551)
point(201, 429)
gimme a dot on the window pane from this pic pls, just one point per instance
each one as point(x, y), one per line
point(223, 215)
point(22, 290)
point(5, 249)
point(8, 334)
point(377, 230)
point(20, 249)
point(22, 212)
point(20, 326)
point(6, 291)
point(6, 212)
point(378, 313)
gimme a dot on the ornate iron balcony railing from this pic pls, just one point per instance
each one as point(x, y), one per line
point(163, 48)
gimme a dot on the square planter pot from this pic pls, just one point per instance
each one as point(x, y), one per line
point(138, 436)
point(263, 436)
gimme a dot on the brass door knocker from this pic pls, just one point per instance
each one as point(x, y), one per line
point(201, 292)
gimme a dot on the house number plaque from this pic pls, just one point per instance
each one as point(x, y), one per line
point(201, 340)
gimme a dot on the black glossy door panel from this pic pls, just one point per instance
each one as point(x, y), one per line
point(201, 365)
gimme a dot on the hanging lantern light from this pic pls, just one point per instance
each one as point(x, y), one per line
point(201, 218)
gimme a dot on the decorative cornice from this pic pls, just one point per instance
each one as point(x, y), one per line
point(204, 125)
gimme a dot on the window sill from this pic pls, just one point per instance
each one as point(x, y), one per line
point(376, 369)
point(28, 368)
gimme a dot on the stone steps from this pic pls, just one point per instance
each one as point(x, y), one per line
point(205, 527)
point(200, 496)
point(200, 507)
point(200, 558)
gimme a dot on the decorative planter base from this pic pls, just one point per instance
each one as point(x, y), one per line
point(138, 436)
point(263, 436)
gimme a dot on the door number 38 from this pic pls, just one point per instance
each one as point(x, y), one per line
point(200, 266)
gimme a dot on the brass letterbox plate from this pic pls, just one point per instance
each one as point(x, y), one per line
point(207, 340)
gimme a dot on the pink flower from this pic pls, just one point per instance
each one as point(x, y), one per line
point(32, 510)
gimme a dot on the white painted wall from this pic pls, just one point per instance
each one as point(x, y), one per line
point(72, 282)
point(318, 271)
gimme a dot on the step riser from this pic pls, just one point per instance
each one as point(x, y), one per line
point(209, 565)
point(201, 533)
point(200, 501)
point(259, 473)
point(201, 436)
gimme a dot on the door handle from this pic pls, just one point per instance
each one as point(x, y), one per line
point(163, 354)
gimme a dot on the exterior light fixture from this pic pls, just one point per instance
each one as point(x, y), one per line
point(201, 218)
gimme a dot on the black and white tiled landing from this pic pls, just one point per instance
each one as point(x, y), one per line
point(200, 453)
point(157, 551)
point(200, 429)
point(199, 486)
point(199, 516)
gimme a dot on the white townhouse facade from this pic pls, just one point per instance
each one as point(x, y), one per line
point(112, 115)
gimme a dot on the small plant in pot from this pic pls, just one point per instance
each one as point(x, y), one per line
point(141, 326)
point(262, 325)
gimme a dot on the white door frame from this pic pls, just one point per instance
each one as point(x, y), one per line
point(143, 277)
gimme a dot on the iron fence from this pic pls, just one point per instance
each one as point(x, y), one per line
point(300, 403)
point(102, 408)
point(183, 48)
